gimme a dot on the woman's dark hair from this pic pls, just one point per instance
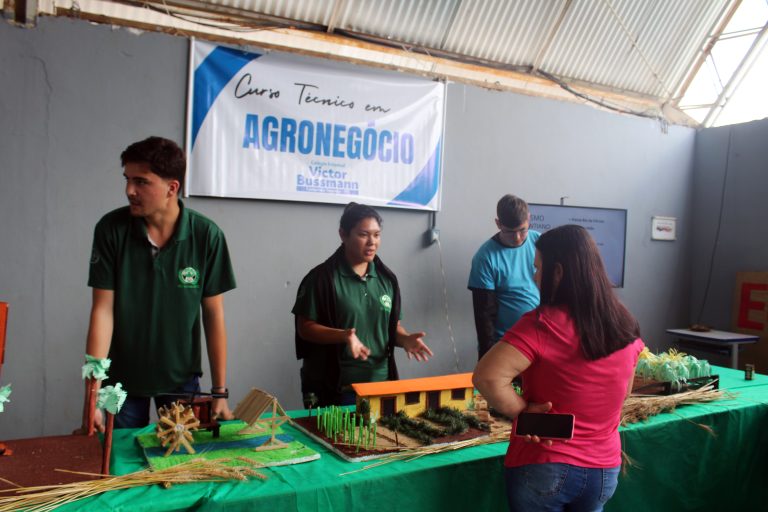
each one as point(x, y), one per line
point(164, 157)
point(603, 323)
point(354, 213)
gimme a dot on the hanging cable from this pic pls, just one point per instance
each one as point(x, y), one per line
point(719, 223)
point(445, 305)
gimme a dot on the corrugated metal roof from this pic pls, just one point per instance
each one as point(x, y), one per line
point(646, 49)
point(641, 47)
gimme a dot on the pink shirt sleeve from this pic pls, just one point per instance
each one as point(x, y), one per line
point(524, 336)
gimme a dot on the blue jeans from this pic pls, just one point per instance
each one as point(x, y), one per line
point(559, 487)
point(135, 410)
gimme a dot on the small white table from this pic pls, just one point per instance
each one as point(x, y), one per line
point(720, 339)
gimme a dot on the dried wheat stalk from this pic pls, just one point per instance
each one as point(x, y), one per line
point(49, 497)
point(637, 408)
point(410, 454)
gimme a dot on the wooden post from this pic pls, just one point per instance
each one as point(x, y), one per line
point(274, 419)
point(3, 329)
point(107, 450)
point(91, 392)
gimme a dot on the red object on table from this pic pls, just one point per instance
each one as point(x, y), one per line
point(202, 407)
point(35, 460)
point(3, 329)
point(91, 392)
point(107, 451)
point(4, 450)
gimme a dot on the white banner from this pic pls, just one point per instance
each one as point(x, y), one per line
point(283, 127)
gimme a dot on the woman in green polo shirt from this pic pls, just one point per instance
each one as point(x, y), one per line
point(347, 315)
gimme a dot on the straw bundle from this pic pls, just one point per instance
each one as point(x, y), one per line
point(637, 408)
point(408, 455)
point(49, 497)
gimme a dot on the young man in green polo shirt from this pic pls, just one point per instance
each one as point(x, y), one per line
point(155, 264)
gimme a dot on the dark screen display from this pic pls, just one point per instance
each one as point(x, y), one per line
point(559, 426)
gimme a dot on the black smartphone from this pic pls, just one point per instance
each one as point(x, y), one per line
point(545, 425)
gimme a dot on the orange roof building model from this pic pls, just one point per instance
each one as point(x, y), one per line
point(414, 396)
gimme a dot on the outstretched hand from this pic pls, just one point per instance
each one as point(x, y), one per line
point(414, 346)
point(356, 347)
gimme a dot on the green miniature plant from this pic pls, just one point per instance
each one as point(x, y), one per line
point(412, 428)
point(364, 410)
point(340, 425)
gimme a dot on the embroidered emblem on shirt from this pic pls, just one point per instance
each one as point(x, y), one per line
point(386, 301)
point(188, 277)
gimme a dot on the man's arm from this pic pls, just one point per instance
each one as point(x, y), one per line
point(216, 342)
point(98, 342)
point(486, 308)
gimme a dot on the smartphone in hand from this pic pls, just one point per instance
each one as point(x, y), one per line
point(545, 425)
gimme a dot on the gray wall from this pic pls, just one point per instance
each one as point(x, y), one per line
point(74, 95)
point(730, 188)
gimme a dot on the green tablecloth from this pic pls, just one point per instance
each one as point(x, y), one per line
point(678, 466)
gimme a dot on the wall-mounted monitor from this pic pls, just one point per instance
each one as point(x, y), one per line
point(608, 226)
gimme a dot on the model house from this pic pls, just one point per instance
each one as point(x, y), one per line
point(415, 396)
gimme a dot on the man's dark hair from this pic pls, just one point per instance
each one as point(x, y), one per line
point(164, 157)
point(512, 211)
point(354, 213)
point(603, 323)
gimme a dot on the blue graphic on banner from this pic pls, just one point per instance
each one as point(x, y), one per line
point(211, 77)
point(424, 186)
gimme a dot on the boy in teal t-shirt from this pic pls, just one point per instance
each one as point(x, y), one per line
point(501, 277)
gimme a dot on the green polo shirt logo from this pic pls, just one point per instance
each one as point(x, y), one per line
point(188, 277)
point(386, 301)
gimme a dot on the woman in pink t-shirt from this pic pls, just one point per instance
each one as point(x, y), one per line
point(576, 353)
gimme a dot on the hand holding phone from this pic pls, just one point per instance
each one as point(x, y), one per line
point(545, 425)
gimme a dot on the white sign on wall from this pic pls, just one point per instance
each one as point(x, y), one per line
point(282, 127)
point(663, 228)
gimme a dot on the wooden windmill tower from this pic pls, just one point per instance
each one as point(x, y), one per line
point(250, 409)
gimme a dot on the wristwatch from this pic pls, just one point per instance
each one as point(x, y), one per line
point(220, 392)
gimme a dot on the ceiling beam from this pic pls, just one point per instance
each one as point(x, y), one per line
point(25, 12)
point(338, 8)
point(706, 46)
point(553, 30)
point(451, 22)
point(633, 41)
point(318, 43)
point(733, 84)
